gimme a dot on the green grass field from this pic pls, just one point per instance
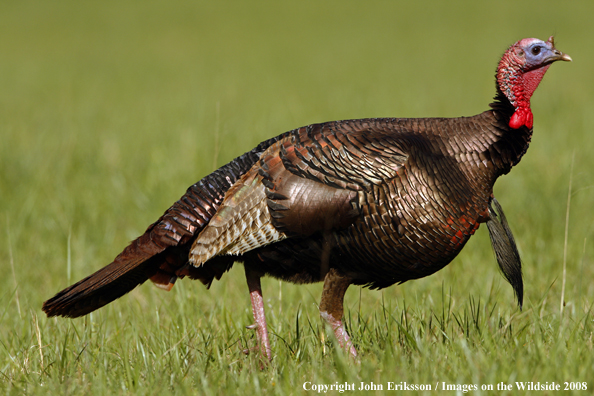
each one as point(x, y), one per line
point(110, 110)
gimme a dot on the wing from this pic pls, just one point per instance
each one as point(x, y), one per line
point(308, 182)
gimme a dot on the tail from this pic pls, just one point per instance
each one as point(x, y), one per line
point(137, 263)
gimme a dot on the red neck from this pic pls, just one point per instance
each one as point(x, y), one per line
point(518, 86)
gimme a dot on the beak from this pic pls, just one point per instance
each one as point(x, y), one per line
point(565, 57)
point(556, 55)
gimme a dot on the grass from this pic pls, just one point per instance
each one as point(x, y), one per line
point(109, 110)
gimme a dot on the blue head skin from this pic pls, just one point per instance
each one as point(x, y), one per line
point(539, 53)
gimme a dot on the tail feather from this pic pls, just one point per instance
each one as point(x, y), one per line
point(137, 263)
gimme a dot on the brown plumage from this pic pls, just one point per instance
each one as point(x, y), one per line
point(369, 202)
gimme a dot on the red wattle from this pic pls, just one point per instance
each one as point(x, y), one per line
point(521, 117)
point(529, 119)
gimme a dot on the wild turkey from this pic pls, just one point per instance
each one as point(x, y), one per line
point(369, 202)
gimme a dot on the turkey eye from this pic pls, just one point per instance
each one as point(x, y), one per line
point(535, 50)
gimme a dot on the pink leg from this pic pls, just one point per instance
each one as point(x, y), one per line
point(331, 307)
point(253, 281)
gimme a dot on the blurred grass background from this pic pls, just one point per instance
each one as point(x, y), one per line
point(110, 110)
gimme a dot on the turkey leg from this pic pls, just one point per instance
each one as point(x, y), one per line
point(253, 281)
point(331, 307)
